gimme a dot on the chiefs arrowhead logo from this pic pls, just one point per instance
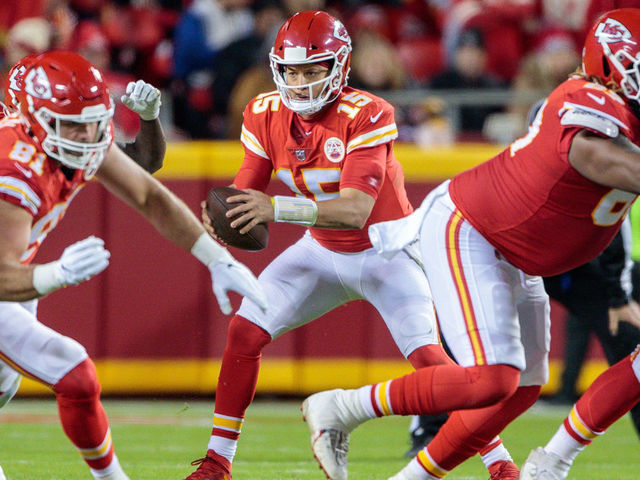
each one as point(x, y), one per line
point(612, 31)
point(37, 84)
point(340, 32)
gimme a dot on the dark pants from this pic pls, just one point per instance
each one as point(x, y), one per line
point(583, 293)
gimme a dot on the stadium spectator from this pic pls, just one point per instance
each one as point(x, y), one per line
point(548, 203)
point(28, 36)
point(46, 158)
point(375, 64)
point(242, 54)
point(90, 41)
point(503, 25)
point(335, 144)
point(205, 28)
point(549, 64)
point(468, 71)
point(426, 124)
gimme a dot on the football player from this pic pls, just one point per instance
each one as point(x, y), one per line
point(147, 151)
point(548, 203)
point(332, 145)
point(60, 137)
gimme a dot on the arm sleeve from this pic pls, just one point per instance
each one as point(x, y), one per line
point(254, 173)
point(612, 261)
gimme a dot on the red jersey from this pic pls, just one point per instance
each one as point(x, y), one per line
point(531, 204)
point(33, 181)
point(348, 145)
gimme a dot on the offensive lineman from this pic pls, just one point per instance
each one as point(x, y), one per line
point(550, 202)
point(58, 140)
point(333, 147)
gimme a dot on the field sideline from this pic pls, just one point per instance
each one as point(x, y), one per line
point(156, 439)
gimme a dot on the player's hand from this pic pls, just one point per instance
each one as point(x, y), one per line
point(229, 274)
point(627, 313)
point(143, 98)
point(83, 260)
point(254, 207)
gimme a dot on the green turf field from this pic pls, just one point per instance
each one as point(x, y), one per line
point(156, 440)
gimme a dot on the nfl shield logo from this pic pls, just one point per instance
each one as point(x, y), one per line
point(301, 155)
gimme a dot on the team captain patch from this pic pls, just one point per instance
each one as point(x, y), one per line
point(334, 149)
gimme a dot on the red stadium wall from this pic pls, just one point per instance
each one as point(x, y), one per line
point(152, 324)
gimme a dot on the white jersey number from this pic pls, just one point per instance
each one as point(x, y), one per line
point(612, 207)
point(313, 179)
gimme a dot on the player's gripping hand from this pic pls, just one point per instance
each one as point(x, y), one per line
point(229, 274)
point(143, 98)
point(79, 262)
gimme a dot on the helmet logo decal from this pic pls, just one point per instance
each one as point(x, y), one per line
point(340, 32)
point(612, 31)
point(334, 149)
point(37, 84)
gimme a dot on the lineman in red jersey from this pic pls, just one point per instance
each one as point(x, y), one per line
point(332, 146)
point(49, 149)
point(548, 203)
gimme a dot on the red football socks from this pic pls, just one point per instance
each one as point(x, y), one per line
point(238, 375)
point(609, 397)
point(444, 388)
point(470, 431)
point(82, 416)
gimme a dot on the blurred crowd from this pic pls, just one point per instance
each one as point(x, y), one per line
point(209, 57)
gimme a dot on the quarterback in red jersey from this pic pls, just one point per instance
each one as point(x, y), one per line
point(548, 203)
point(58, 139)
point(333, 147)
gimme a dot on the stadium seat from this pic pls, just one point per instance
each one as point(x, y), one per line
point(422, 58)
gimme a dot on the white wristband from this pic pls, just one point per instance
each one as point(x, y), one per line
point(300, 210)
point(47, 278)
point(207, 250)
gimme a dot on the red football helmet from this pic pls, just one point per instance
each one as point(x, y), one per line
point(311, 37)
point(612, 51)
point(15, 80)
point(60, 89)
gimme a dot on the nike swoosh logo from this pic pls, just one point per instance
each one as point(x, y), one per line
point(595, 98)
point(375, 118)
point(25, 172)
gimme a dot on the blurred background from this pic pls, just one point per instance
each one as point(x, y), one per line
point(462, 75)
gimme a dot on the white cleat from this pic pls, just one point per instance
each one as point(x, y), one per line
point(411, 472)
point(330, 420)
point(541, 465)
point(2, 477)
point(115, 472)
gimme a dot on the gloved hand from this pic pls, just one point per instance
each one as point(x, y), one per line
point(83, 260)
point(79, 262)
point(229, 274)
point(143, 98)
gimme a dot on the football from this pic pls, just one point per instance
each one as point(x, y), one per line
point(217, 207)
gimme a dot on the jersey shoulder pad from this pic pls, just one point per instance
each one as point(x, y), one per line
point(373, 121)
point(592, 106)
point(18, 185)
point(579, 117)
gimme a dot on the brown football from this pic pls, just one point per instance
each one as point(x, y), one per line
point(217, 207)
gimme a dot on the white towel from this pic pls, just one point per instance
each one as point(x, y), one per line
point(389, 238)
